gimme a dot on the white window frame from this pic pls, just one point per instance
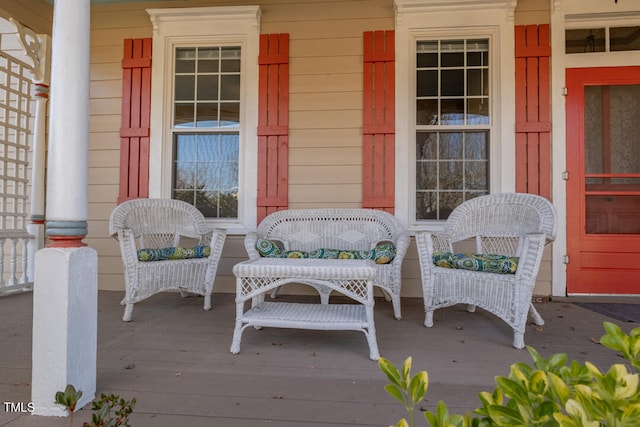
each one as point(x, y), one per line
point(454, 19)
point(206, 26)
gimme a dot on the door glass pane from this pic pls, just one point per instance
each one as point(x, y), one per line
point(612, 159)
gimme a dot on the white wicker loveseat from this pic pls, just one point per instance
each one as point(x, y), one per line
point(344, 229)
point(506, 224)
point(165, 244)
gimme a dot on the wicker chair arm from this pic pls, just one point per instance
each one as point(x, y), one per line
point(250, 245)
point(530, 257)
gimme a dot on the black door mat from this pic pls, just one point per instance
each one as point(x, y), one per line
point(619, 311)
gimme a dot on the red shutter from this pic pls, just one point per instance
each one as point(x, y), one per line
point(273, 123)
point(378, 126)
point(533, 118)
point(136, 108)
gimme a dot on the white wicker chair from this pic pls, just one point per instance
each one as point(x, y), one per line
point(163, 223)
point(513, 224)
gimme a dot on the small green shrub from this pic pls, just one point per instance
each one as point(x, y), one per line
point(102, 408)
point(551, 393)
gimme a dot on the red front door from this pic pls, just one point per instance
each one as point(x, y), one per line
point(603, 187)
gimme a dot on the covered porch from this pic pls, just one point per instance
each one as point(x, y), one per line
point(174, 359)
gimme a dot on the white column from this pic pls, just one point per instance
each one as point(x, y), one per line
point(65, 288)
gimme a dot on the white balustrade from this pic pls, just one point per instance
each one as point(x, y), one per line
point(15, 252)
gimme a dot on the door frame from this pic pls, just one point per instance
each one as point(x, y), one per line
point(576, 14)
point(578, 241)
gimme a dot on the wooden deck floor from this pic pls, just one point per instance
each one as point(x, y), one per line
point(174, 359)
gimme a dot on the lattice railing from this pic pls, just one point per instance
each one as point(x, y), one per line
point(16, 244)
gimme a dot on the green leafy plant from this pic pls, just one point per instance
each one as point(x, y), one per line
point(102, 411)
point(69, 399)
point(102, 408)
point(551, 393)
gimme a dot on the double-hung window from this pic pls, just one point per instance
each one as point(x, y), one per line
point(452, 124)
point(455, 98)
point(204, 91)
point(206, 128)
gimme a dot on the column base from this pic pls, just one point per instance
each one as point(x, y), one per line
point(65, 320)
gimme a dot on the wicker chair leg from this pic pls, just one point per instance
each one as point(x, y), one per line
point(237, 336)
point(128, 313)
point(374, 353)
point(428, 318)
point(471, 308)
point(537, 319)
point(518, 339)
point(207, 302)
point(397, 312)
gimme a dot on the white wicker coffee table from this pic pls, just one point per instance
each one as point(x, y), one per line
point(352, 278)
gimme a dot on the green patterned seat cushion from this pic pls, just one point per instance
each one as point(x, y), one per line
point(490, 263)
point(161, 254)
point(383, 253)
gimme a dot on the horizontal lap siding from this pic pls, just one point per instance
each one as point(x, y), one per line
point(325, 109)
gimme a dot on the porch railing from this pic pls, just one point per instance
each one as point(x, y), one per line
point(17, 250)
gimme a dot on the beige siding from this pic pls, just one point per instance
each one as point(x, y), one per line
point(325, 110)
point(530, 12)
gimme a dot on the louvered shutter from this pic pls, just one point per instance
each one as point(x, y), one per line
point(533, 117)
point(378, 127)
point(273, 123)
point(136, 108)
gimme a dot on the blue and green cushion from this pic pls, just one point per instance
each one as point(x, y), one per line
point(269, 248)
point(383, 253)
point(489, 263)
point(161, 254)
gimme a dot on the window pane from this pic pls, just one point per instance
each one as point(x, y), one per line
point(585, 40)
point(452, 112)
point(230, 87)
point(477, 82)
point(207, 87)
point(427, 60)
point(452, 53)
point(427, 83)
point(450, 146)
point(448, 202)
point(450, 166)
point(229, 114)
point(475, 175)
point(427, 205)
point(624, 38)
point(206, 171)
point(452, 83)
point(207, 115)
point(426, 175)
point(185, 60)
point(208, 60)
point(478, 111)
point(427, 146)
point(230, 60)
point(184, 115)
point(426, 111)
point(185, 88)
point(476, 145)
